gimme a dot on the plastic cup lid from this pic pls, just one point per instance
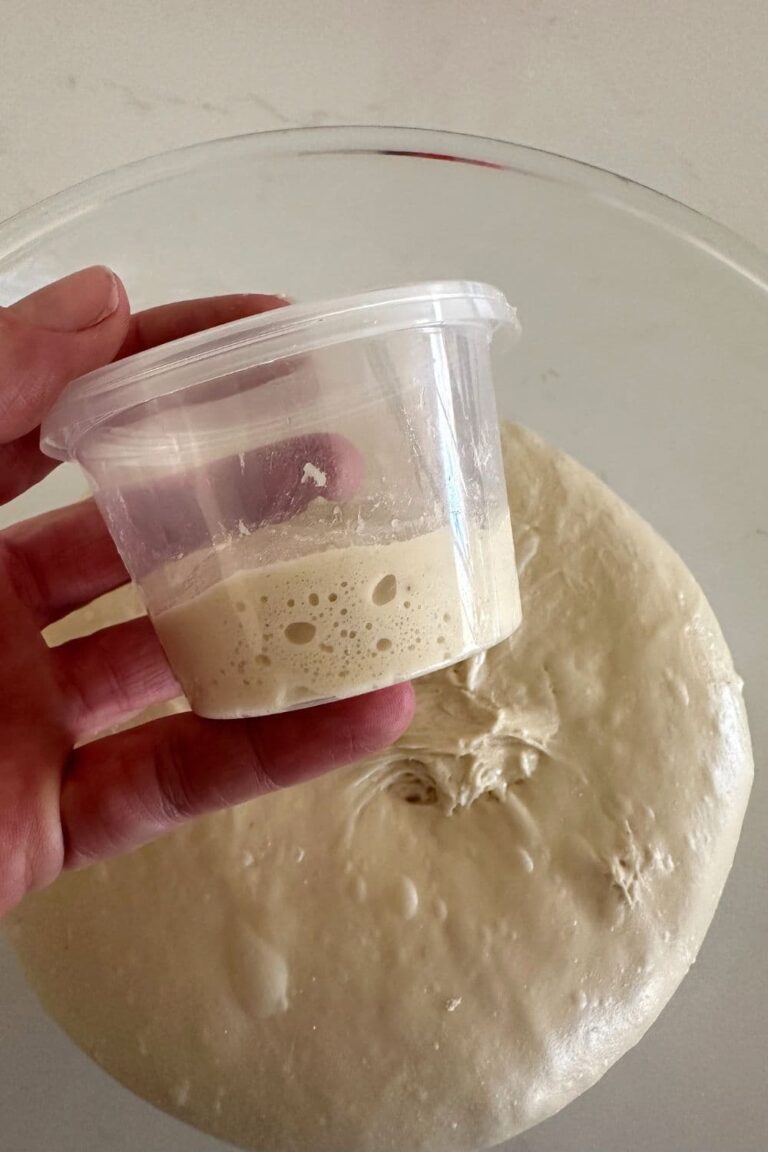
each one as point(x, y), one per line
point(99, 396)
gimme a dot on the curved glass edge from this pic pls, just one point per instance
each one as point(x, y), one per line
point(24, 230)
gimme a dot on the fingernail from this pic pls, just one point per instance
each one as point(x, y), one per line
point(79, 301)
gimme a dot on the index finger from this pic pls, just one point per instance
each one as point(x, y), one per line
point(167, 322)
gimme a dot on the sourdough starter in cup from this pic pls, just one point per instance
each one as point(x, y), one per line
point(337, 622)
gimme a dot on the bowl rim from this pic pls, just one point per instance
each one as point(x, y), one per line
point(26, 229)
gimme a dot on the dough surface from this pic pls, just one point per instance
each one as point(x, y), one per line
point(432, 951)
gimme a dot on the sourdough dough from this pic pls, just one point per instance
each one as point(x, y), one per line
point(439, 948)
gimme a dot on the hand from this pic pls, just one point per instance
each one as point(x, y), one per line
point(64, 806)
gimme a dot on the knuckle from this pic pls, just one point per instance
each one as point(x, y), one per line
point(262, 780)
point(17, 571)
point(176, 798)
point(32, 859)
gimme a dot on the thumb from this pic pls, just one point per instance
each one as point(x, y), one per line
point(47, 339)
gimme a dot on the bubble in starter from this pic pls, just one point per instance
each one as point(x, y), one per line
point(320, 626)
point(301, 633)
point(385, 590)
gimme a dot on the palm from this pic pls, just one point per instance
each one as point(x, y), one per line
point(64, 802)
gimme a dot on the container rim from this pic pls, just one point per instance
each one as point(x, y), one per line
point(98, 396)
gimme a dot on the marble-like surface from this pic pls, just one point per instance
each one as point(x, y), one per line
point(673, 94)
point(669, 92)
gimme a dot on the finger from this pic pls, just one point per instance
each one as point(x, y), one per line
point(52, 336)
point(62, 560)
point(72, 301)
point(33, 747)
point(288, 475)
point(22, 464)
point(113, 674)
point(127, 789)
point(248, 491)
point(172, 321)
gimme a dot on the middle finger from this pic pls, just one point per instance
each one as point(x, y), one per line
point(62, 560)
point(65, 559)
point(113, 674)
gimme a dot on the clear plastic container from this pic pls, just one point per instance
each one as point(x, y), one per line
point(312, 500)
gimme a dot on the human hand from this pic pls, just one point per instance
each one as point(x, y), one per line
point(64, 806)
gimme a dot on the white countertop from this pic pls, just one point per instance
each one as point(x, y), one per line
point(671, 93)
point(668, 92)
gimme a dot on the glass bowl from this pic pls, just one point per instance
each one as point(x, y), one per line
point(645, 355)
